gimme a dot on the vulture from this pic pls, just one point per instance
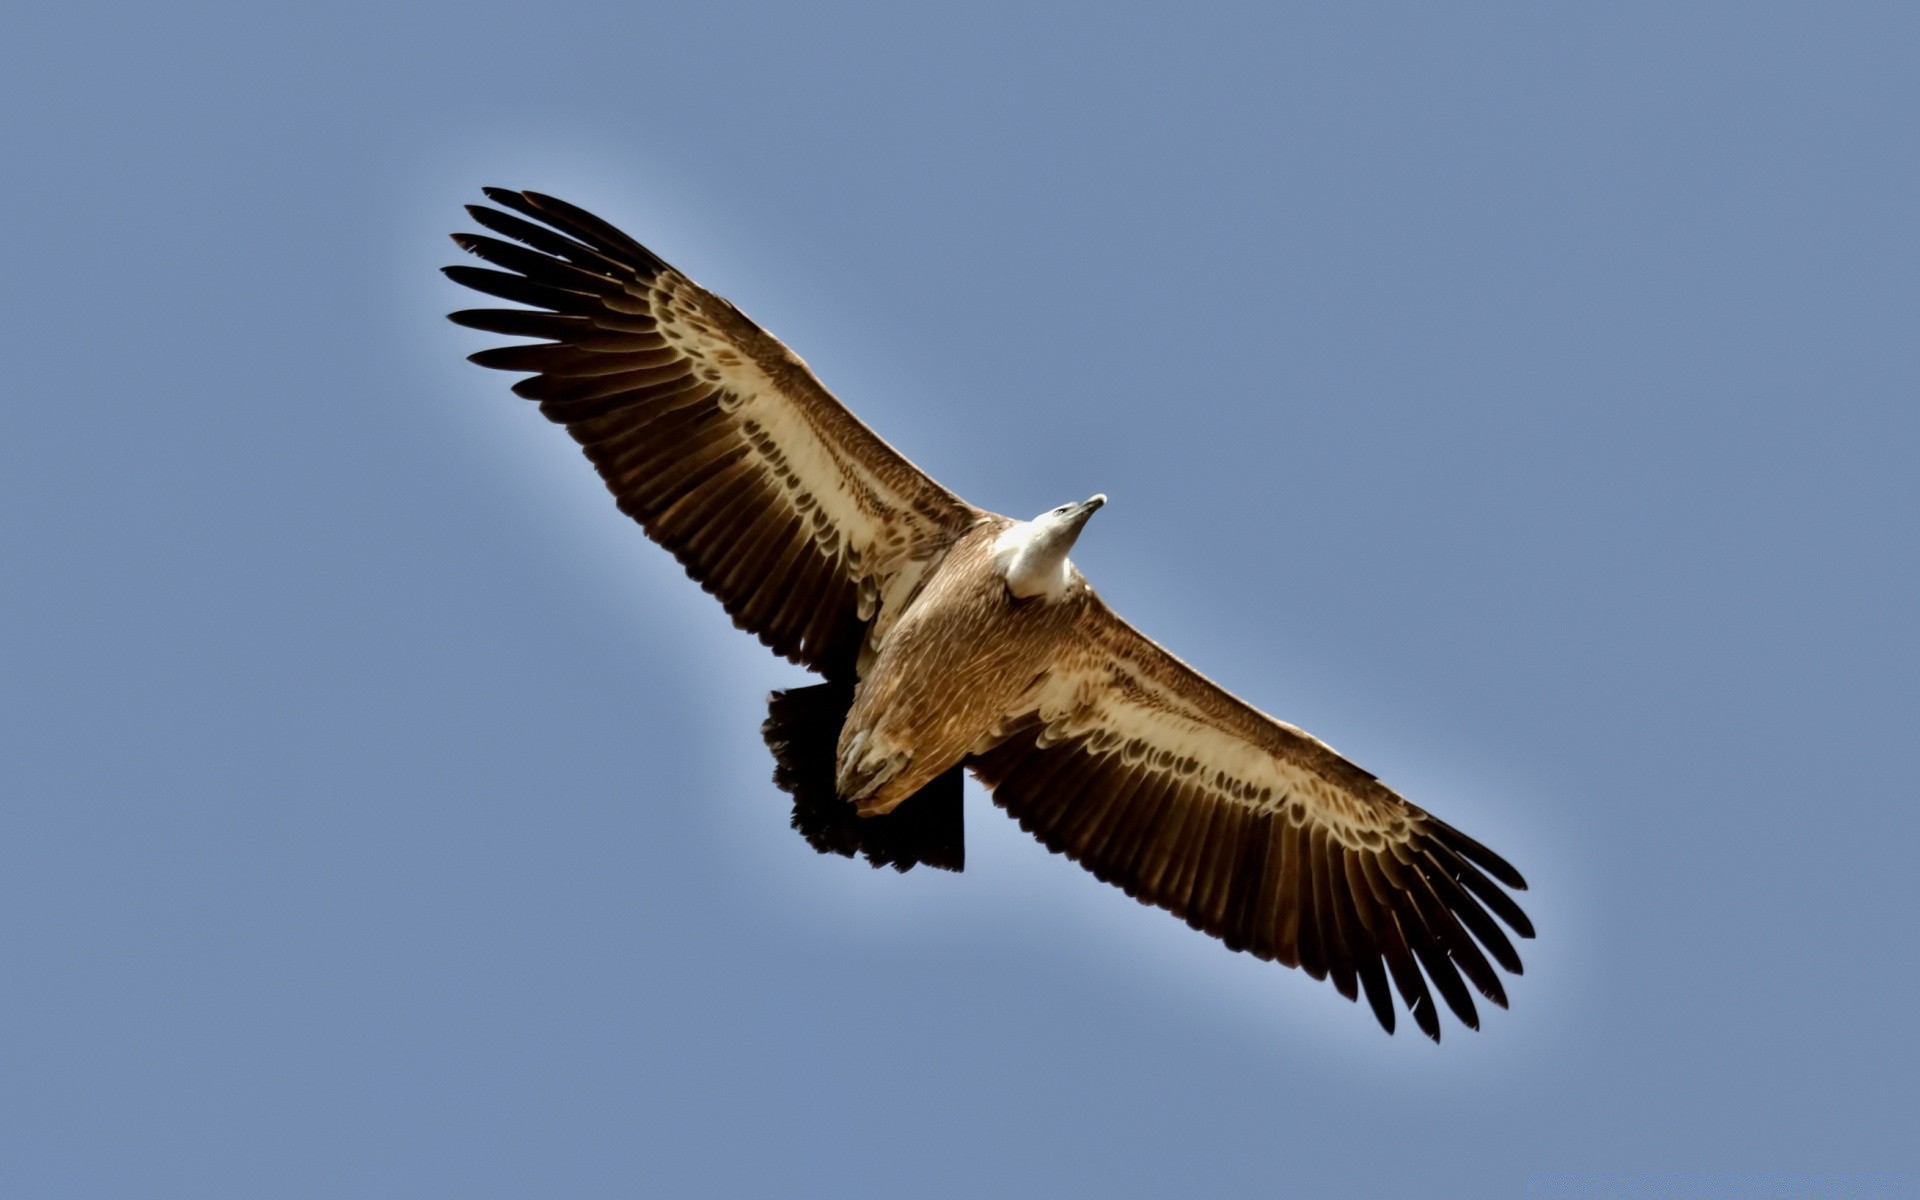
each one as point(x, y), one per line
point(951, 639)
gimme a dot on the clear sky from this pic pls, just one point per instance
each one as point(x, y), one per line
point(1522, 398)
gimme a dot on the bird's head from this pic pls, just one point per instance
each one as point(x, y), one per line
point(1064, 524)
point(1033, 554)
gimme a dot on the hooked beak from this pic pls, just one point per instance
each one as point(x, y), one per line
point(1075, 517)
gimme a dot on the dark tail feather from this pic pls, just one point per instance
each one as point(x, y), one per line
point(803, 731)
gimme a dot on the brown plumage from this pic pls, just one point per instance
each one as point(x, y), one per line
point(953, 637)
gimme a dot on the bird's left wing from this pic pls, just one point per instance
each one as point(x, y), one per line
point(709, 432)
point(1158, 780)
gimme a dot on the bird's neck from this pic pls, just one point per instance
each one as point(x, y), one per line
point(1032, 558)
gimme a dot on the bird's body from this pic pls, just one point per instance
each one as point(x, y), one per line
point(957, 661)
point(952, 638)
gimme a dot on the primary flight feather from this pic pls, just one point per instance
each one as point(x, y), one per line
point(951, 638)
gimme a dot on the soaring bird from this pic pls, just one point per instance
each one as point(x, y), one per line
point(950, 638)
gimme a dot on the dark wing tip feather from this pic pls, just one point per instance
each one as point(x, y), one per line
point(524, 322)
point(520, 289)
point(1495, 901)
point(515, 200)
point(544, 239)
point(576, 223)
point(540, 265)
point(1427, 1016)
point(493, 250)
point(1374, 979)
point(1471, 849)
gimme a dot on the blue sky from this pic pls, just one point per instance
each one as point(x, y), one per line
point(1521, 398)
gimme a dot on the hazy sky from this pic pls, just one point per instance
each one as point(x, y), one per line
point(1523, 399)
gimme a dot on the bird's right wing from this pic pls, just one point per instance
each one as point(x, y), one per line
point(1160, 781)
point(709, 432)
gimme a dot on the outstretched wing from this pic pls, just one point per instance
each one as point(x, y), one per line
point(708, 431)
point(1158, 780)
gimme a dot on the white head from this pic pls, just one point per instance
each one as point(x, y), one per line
point(1032, 555)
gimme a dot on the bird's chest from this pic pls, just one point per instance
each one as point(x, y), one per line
point(958, 660)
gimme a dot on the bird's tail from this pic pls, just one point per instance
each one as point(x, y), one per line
point(803, 731)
